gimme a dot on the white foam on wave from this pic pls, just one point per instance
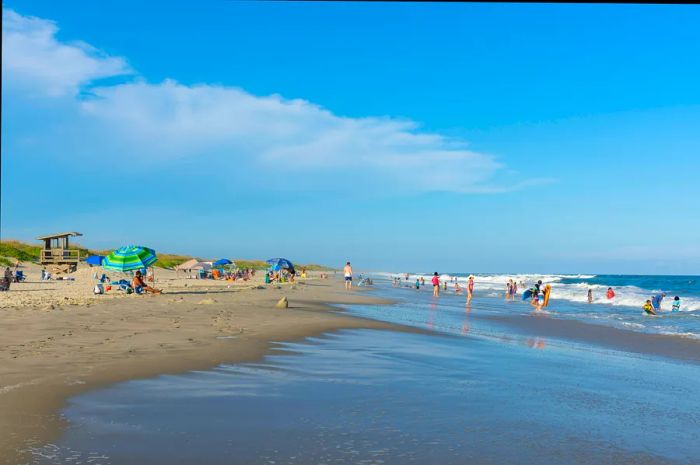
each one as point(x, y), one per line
point(494, 286)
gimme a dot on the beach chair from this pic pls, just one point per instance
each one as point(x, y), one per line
point(123, 285)
point(19, 276)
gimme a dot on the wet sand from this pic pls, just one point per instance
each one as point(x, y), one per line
point(48, 354)
point(671, 346)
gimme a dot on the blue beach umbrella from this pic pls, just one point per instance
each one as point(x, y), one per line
point(280, 263)
point(130, 258)
point(222, 262)
point(94, 260)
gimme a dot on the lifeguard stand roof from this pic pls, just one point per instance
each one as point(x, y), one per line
point(55, 236)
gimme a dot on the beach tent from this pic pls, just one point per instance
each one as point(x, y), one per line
point(187, 265)
point(222, 262)
point(201, 266)
point(94, 260)
point(129, 258)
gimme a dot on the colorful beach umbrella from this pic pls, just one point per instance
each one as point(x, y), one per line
point(277, 263)
point(130, 258)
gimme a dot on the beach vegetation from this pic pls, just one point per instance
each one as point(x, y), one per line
point(13, 250)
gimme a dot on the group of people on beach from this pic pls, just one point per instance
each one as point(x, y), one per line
point(435, 281)
point(651, 306)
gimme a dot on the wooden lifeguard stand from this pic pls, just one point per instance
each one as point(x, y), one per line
point(57, 254)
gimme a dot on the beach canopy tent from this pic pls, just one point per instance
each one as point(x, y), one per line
point(94, 260)
point(130, 258)
point(279, 263)
point(222, 262)
point(201, 266)
point(187, 265)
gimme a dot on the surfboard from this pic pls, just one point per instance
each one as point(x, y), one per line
point(547, 291)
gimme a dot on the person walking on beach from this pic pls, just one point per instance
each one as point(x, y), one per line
point(347, 271)
point(470, 289)
point(436, 284)
point(590, 296)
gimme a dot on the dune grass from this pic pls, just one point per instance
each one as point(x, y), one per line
point(12, 250)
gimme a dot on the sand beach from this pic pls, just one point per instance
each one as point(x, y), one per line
point(57, 339)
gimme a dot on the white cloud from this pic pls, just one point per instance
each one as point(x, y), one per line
point(33, 59)
point(232, 129)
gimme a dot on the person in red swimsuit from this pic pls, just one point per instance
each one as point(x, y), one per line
point(436, 284)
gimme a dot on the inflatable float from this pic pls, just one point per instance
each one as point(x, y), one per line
point(547, 291)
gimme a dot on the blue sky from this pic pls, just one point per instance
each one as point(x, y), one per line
point(449, 137)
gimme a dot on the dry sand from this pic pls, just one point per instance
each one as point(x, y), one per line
point(51, 348)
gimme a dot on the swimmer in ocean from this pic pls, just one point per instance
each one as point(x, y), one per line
point(470, 289)
point(648, 307)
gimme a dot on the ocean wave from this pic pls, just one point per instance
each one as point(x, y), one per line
point(493, 285)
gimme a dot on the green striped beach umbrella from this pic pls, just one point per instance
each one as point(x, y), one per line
point(129, 258)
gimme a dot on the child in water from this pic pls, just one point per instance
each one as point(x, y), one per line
point(417, 284)
point(649, 308)
point(590, 296)
point(676, 304)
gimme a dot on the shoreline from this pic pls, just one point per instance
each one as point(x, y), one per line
point(53, 355)
point(674, 347)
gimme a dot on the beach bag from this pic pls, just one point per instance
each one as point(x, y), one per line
point(98, 289)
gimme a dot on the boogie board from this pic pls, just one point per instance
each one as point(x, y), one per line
point(527, 294)
point(650, 312)
point(547, 291)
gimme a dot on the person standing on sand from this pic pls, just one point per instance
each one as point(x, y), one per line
point(347, 271)
point(470, 289)
point(436, 284)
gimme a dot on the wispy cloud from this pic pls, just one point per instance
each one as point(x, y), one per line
point(168, 121)
point(34, 60)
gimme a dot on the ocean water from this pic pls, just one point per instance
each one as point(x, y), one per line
point(381, 397)
point(569, 298)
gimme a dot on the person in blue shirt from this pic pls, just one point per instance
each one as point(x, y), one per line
point(656, 301)
point(676, 304)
